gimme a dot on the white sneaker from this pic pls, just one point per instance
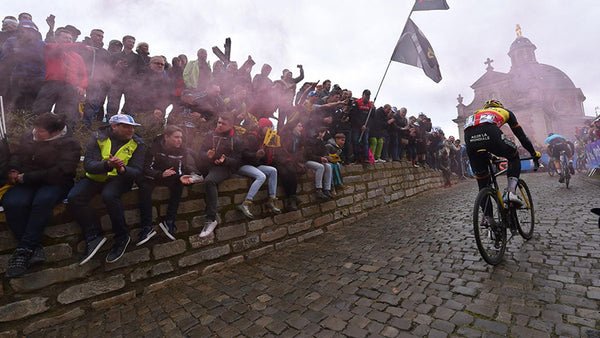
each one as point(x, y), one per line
point(209, 227)
point(514, 198)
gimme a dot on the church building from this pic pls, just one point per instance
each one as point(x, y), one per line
point(542, 97)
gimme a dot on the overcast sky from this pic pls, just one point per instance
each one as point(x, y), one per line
point(350, 42)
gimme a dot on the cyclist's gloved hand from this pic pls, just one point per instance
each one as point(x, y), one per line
point(537, 155)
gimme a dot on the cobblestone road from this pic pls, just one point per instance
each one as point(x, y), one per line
point(411, 269)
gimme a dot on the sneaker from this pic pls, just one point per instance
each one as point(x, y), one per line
point(561, 179)
point(209, 227)
point(117, 250)
point(91, 248)
point(514, 198)
point(168, 227)
point(18, 263)
point(271, 205)
point(145, 235)
point(291, 203)
point(321, 195)
point(38, 256)
point(328, 194)
point(245, 208)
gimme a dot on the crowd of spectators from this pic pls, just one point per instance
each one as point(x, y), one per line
point(220, 124)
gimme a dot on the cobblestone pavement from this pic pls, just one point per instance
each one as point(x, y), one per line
point(410, 269)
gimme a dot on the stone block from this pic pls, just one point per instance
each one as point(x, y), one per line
point(52, 321)
point(348, 189)
point(112, 301)
point(261, 251)
point(233, 184)
point(221, 265)
point(287, 217)
point(8, 334)
point(359, 197)
point(309, 235)
point(7, 241)
point(160, 251)
point(91, 289)
point(162, 284)
point(23, 309)
point(197, 242)
point(189, 206)
point(352, 179)
point(309, 211)
point(204, 255)
point(228, 232)
point(151, 271)
point(236, 215)
point(344, 201)
point(360, 187)
point(58, 252)
point(372, 185)
point(41, 279)
point(132, 216)
point(340, 213)
point(245, 244)
point(4, 262)
point(366, 177)
point(260, 224)
point(327, 206)
point(181, 226)
point(335, 225)
point(286, 243)
point(323, 220)
point(270, 236)
point(63, 230)
point(298, 227)
point(129, 258)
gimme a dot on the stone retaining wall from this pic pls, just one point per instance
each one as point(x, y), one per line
point(61, 290)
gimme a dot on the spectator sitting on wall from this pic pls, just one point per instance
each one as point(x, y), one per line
point(42, 169)
point(114, 158)
point(335, 147)
point(292, 145)
point(219, 158)
point(257, 163)
point(318, 160)
point(167, 160)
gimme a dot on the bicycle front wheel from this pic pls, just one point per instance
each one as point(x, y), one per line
point(525, 214)
point(488, 226)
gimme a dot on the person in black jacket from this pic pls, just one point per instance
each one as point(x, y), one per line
point(99, 73)
point(114, 158)
point(41, 170)
point(219, 158)
point(165, 164)
point(318, 160)
point(378, 131)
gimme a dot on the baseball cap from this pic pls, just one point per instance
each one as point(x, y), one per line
point(123, 118)
point(312, 93)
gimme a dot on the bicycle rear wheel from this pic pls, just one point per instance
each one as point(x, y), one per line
point(567, 173)
point(551, 168)
point(488, 226)
point(525, 214)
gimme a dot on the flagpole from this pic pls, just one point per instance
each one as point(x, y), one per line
point(380, 83)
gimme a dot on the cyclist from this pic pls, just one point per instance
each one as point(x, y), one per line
point(557, 143)
point(483, 134)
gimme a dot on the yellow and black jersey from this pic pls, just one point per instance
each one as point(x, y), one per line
point(492, 115)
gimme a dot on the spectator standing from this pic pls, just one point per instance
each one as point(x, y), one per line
point(9, 29)
point(22, 64)
point(341, 123)
point(197, 74)
point(288, 90)
point(151, 93)
point(115, 47)
point(99, 73)
point(379, 130)
point(143, 52)
point(66, 79)
point(219, 158)
point(125, 64)
point(42, 170)
point(114, 158)
point(360, 130)
point(401, 134)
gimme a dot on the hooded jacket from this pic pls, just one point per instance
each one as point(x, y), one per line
point(227, 144)
point(160, 158)
point(52, 161)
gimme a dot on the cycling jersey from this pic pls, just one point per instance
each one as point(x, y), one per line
point(492, 115)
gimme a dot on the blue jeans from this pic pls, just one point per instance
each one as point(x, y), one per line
point(29, 210)
point(364, 154)
point(322, 170)
point(260, 174)
point(111, 191)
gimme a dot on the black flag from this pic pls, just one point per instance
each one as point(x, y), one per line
point(414, 49)
point(428, 5)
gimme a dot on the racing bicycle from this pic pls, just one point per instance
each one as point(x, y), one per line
point(493, 216)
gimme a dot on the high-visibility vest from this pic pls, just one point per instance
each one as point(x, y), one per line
point(124, 153)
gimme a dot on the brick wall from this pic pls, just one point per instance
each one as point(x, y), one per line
point(61, 290)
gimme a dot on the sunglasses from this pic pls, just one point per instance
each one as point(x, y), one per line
point(158, 63)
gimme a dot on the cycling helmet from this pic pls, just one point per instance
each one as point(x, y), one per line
point(493, 103)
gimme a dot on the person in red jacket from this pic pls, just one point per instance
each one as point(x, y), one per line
point(66, 79)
